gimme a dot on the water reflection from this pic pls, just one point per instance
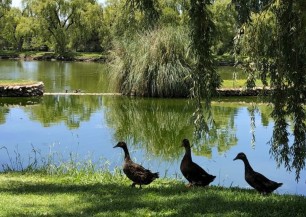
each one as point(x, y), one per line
point(156, 125)
point(159, 125)
point(59, 76)
point(72, 110)
point(153, 129)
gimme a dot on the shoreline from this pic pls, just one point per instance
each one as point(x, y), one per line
point(49, 56)
point(22, 90)
point(37, 89)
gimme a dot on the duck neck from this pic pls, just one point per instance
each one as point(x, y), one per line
point(247, 165)
point(187, 153)
point(126, 153)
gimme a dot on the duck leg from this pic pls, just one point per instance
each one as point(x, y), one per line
point(189, 185)
point(133, 185)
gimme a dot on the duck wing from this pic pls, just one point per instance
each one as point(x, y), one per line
point(198, 175)
point(138, 173)
point(261, 183)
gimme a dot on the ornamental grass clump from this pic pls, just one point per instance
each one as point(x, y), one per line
point(154, 64)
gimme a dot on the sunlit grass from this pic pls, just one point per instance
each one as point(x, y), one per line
point(16, 82)
point(86, 188)
point(241, 83)
point(105, 194)
point(38, 54)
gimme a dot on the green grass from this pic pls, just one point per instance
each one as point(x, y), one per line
point(42, 54)
point(16, 82)
point(105, 194)
point(241, 83)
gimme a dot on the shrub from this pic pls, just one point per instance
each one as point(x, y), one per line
point(154, 64)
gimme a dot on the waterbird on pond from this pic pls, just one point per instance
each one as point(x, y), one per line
point(193, 172)
point(255, 179)
point(135, 172)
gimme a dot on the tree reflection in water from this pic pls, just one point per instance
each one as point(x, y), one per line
point(159, 125)
point(154, 125)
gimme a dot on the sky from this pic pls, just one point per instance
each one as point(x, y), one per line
point(17, 3)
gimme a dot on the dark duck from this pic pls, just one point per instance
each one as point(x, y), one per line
point(135, 172)
point(255, 179)
point(193, 172)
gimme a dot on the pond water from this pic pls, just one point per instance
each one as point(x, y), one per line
point(87, 127)
point(58, 76)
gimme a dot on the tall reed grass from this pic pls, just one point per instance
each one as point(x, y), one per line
point(154, 64)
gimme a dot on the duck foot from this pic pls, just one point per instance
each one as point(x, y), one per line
point(189, 185)
point(134, 185)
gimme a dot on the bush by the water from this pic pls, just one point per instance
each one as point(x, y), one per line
point(154, 64)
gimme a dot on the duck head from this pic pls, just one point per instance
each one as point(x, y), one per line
point(185, 143)
point(240, 156)
point(120, 144)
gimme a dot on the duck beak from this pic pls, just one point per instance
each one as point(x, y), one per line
point(236, 157)
point(116, 146)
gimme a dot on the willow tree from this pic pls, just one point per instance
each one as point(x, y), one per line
point(12, 31)
point(196, 60)
point(275, 41)
point(204, 76)
point(4, 7)
point(149, 10)
point(58, 20)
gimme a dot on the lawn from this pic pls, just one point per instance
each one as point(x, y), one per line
point(105, 194)
point(241, 83)
point(16, 82)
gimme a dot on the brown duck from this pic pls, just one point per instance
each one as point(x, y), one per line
point(193, 172)
point(135, 172)
point(255, 179)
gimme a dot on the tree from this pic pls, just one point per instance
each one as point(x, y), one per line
point(90, 32)
point(149, 10)
point(204, 76)
point(12, 33)
point(4, 7)
point(275, 41)
point(224, 17)
point(58, 18)
point(170, 13)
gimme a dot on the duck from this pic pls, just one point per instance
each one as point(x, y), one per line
point(195, 175)
point(135, 172)
point(258, 181)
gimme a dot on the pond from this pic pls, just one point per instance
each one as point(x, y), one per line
point(86, 128)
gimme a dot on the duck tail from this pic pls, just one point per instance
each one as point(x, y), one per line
point(156, 175)
point(213, 178)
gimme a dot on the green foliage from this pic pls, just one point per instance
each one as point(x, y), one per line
point(170, 15)
point(153, 64)
point(68, 24)
point(4, 7)
point(224, 17)
point(11, 31)
point(244, 8)
point(91, 33)
point(275, 42)
point(149, 10)
point(204, 78)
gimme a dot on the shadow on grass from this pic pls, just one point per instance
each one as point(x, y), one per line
point(161, 199)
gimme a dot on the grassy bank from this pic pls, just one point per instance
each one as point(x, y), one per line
point(41, 55)
point(225, 84)
point(16, 82)
point(104, 194)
